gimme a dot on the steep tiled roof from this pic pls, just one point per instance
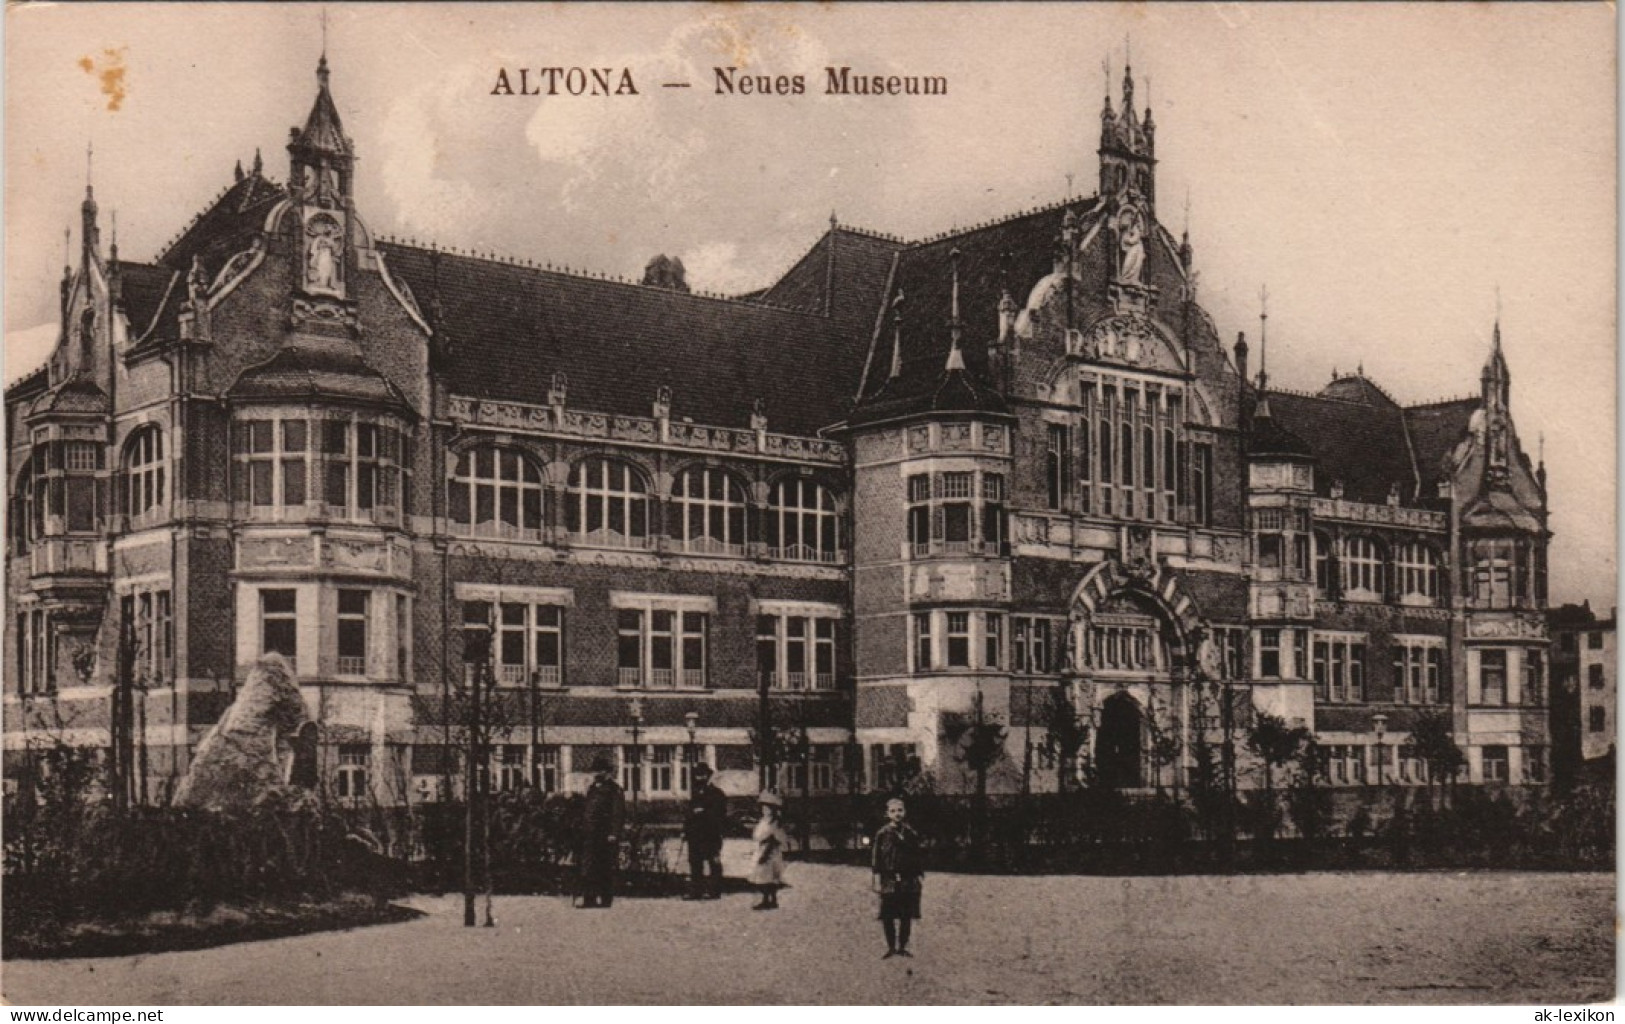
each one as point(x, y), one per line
point(1436, 429)
point(1268, 438)
point(226, 227)
point(151, 293)
point(845, 273)
point(1359, 440)
point(1008, 254)
point(511, 327)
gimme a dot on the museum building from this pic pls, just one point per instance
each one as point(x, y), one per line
point(1026, 477)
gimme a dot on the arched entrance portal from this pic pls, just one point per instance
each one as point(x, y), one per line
point(1117, 744)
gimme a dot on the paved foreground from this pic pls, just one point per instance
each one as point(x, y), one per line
point(1329, 938)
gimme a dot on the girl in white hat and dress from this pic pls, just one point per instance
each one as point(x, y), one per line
point(767, 868)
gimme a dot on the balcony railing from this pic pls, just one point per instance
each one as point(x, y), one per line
point(511, 675)
point(805, 553)
point(493, 530)
point(612, 539)
point(352, 666)
point(629, 677)
point(712, 546)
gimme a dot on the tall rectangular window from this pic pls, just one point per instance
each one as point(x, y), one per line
point(662, 648)
point(767, 650)
point(1492, 676)
point(352, 633)
point(958, 639)
point(919, 513)
point(1058, 464)
point(351, 778)
point(403, 633)
point(1534, 678)
point(548, 653)
point(1495, 762)
point(824, 654)
point(693, 641)
point(993, 640)
point(1202, 483)
point(163, 637)
point(922, 642)
point(512, 642)
point(629, 647)
point(1269, 653)
point(279, 623)
point(993, 514)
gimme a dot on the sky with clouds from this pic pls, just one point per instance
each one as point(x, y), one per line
point(1383, 169)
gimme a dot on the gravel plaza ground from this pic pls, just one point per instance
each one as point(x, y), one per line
point(1371, 938)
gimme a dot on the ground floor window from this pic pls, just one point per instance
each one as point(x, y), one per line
point(351, 778)
point(1495, 764)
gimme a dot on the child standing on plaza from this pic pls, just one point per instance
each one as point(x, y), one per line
point(899, 871)
point(767, 870)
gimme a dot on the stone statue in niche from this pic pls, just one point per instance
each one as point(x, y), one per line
point(324, 262)
point(1130, 245)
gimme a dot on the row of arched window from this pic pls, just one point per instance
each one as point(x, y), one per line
point(1360, 568)
point(63, 483)
point(498, 492)
point(491, 491)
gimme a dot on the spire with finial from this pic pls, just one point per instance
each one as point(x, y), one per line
point(89, 233)
point(321, 64)
point(1263, 337)
point(259, 165)
point(956, 356)
point(1185, 251)
point(1128, 76)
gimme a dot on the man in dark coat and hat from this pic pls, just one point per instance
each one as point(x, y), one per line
point(602, 820)
point(702, 831)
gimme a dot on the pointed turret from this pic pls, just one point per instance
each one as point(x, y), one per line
point(1496, 380)
point(320, 154)
point(89, 234)
point(1127, 147)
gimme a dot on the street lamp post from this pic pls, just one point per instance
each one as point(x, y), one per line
point(477, 656)
point(692, 720)
point(637, 753)
point(1379, 722)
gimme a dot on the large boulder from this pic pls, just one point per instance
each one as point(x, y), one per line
point(250, 751)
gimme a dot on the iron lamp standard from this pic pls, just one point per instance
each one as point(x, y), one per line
point(1379, 722)
point(692, 720)
point(637, 753)
point(477, 656)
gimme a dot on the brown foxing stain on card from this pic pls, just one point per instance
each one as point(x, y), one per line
point(108, 69)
